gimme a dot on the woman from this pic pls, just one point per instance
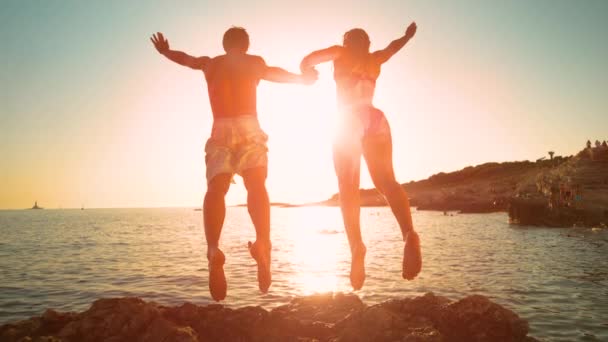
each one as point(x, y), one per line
point(365, 131)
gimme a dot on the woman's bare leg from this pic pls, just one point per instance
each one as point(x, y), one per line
point(347, 163)
point(378, 153)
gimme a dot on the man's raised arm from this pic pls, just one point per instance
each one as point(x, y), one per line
point(162, 46)
point(396, 45)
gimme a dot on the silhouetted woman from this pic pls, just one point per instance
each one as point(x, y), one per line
point(363, 130)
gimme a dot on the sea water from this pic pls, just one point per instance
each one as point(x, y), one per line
point(557, 279)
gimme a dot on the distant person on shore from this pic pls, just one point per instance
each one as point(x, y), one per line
point(363, 130)
point(237, 145)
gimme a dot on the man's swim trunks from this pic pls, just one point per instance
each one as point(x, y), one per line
point(236, 144)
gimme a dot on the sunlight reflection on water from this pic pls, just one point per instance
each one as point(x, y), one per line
point(318, 251)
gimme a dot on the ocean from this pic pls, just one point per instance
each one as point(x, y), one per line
point(555, 278)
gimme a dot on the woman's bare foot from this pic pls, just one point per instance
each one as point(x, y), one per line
point(217, 278)
point(260, 252)
point(412, 256)
point(357, 267)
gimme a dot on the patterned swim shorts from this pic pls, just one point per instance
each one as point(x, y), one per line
point(236, 144)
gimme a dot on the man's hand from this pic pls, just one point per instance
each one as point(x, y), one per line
point(411, 30)
point(309, 76)
point(160, 42)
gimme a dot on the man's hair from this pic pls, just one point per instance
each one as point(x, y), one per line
point(356, 40)
point(236, 38)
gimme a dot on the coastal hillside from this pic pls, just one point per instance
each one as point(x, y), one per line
point(482, 188)
point(560, 191)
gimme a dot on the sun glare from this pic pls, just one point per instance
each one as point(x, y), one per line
point(299, 121)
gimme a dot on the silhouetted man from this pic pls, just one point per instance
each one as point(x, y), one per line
point(237, 145)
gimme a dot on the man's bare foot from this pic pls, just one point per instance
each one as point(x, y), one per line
point(357, 267)
point(217, 279)
point(412, 256)
point(260, 252)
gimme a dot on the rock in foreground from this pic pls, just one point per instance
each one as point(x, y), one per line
point(329, 317)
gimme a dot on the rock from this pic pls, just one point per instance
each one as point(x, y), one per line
point(380, 323)
point(327, 308)
point(326, 317)
point(476, 318)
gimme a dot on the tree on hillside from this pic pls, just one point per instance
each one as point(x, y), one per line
point(551, 153)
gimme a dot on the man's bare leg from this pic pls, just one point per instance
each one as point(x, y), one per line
point(258, 206)
point(378, 156)
point(347, 167)
point(214, 211)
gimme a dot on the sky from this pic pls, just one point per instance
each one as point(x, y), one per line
point(91, 114)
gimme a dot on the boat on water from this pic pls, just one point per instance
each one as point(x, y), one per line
point(36, 206)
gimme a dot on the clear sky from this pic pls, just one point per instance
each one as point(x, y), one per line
point(91, 114)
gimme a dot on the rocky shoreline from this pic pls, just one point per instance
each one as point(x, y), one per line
point(327, 317)
point(574, 193)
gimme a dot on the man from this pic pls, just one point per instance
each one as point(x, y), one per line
point(363, 130)
point(237, 145)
